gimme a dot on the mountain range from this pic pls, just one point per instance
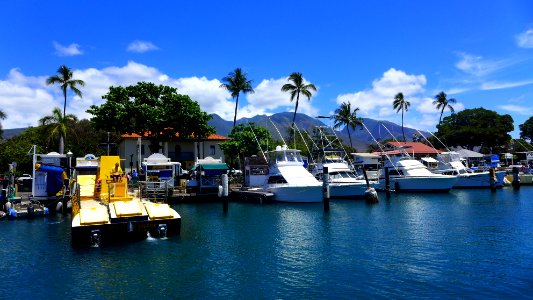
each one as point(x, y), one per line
point(361, 138)
point(278, 124)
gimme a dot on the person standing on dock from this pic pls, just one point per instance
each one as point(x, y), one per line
point(116, 176)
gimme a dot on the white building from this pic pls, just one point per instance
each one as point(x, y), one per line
point(134, 149)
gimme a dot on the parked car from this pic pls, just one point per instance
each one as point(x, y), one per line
point(21, 179)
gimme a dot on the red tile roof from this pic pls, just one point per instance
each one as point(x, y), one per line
point(415, 147)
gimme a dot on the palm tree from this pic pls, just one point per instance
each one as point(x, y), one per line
point(345, 116)
point(400, 104)
point(65, 80)
point(442, 103)
point(58, 126)
point(296, 89)
point(236, 82)
point(2, 117)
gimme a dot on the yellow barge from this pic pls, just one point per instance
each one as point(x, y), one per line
point(103, 211)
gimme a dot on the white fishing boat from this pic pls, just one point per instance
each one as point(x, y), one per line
point(409, 175)
point(287, 178)
point(449, 163)
point(343, 180)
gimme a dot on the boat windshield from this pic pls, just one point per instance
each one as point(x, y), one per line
point(287, 156)
point(342, 174)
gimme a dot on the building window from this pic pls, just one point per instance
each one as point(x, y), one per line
point(212, 150)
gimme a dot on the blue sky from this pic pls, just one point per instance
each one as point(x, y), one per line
point(478, 52)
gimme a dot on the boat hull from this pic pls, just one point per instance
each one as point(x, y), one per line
point(436, 184)
point(300, 194)
point(121, 231)
point(347, 190)
point(478, 180)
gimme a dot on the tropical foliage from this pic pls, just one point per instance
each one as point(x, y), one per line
point(296, 88)
point(56, 125)
point(237, 82)
point(526, 130)
point(65, 81)
point(245, 141)
point(344, 116)
point(442, 102)
point(157, 112)
point(476, 127)
point(398, 104)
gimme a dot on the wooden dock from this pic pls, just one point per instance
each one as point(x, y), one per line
point(251, 195)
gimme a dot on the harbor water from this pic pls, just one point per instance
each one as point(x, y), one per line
point(465, 244)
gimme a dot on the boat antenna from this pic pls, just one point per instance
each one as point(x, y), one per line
point(521, 144)
point(399, 143)
point(420, 133)
point(257, 141)
point(275, 127)
point(439, 140)
point(305, 143)
point(379, 145)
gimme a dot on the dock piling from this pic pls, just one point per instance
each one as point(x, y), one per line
point(325, 188)
point(387, 182)
point(225, 192)
point(516, 178)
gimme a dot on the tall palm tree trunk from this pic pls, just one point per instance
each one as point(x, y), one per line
point(441, 112)
point(403, 132)
point(61, 145)
point(295, 109)
point(64, 102)
point(236, 105)
point(349, 136)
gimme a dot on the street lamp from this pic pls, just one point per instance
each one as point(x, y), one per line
point(69, 155)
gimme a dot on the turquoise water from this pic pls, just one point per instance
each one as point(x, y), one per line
point(469, 243)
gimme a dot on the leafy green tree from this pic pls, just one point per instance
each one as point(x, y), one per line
point(16, 149)
point(157, 112)
point(296, 88)
point(475, 127)
point(400, 103)
point(526, 130)
point(237, 82)
point(345, 116)
point(65, 80)
point(245, 141)
point(2, 117)
point(57, 126)
point(442, 102)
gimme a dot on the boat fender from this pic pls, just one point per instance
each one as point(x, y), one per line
point(7, 206)
point(46, 211)
point(12, 213)
point(59, 205)
point(220, 191)
point(69, 204)
point(371, 195)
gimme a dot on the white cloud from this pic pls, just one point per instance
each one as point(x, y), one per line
point(379, 99)
point(493, 85)
point(522, 110)
point(269, 98)
point(525, 39)
point(26, 99)
point(141, 46)
point(70, 50)
point(478, 66)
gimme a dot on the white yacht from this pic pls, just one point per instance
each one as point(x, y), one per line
point(343, 180)
point(287, 178)
point(410, 175)
point(449, 163)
